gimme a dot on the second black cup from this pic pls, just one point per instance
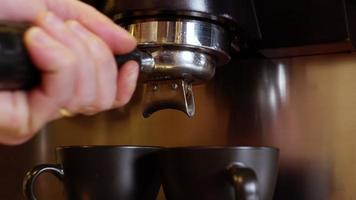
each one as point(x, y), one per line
point(103, 172)
point(219, 173)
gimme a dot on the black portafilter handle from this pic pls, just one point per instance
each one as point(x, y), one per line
point(17, 71)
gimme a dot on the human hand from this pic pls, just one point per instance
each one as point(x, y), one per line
point(72, 45)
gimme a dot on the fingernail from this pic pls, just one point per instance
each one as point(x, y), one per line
point(53, 21)
point(123, 33)
point(38, 36)
point(131, 37)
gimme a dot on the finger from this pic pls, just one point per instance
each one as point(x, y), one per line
point(56, 61)
point(126, 83)
point(119, 40)
point(106, 70)
point(84, 70)
point(10, 140)
point(14, 118)
point(24, 11)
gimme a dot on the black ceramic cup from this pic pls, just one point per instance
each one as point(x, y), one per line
point(219, 173)
point(103, 172)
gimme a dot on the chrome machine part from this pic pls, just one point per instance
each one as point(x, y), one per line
point(169, 94)
point(196, 35)
point(196, 67)
point(185, 52)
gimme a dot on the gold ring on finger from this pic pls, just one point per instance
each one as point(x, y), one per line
point(65, 112)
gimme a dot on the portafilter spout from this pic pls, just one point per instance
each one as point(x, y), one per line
point(169, 94)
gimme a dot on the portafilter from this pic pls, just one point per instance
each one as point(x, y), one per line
point(179, 45)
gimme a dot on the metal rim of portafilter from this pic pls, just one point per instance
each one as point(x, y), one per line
point(184, 52)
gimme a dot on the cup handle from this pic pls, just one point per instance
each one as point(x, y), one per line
point(33, 174)
point(244, 180)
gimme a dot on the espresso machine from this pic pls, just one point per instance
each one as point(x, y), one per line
point(263, 73)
